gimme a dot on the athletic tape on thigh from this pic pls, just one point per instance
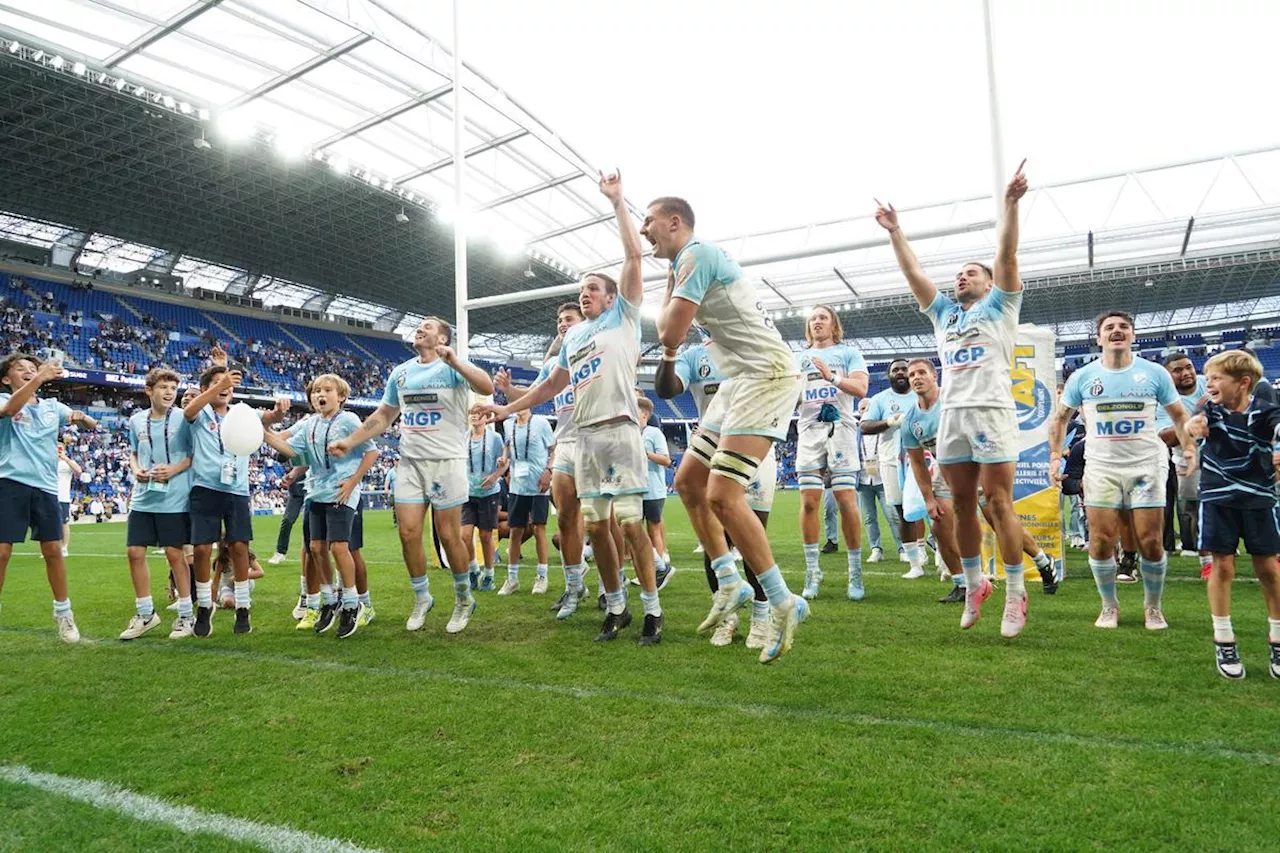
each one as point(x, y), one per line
point(596, 509)
point(843, 482)
point(629, 508)
point(810, 482)
point(737, 467)
point(703, 448)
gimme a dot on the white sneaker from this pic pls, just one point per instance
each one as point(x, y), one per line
point(725, 631)
point(276, 559)
point(418, 618)
point(1155, 619)
point(698, 550)
point(139, 626)
point(902, 556)
point(758, 636)
point(172, 606)
point(300, 609)
point(1185, 553)
point(67, 630)
point(728, 599)
point(944, 573)
point(462, 610)
point(913, 573)
point(1108, 618)
point(539, 585)
point(65, 550)
point(183, 627)
point(876, 555)
point(509, 587)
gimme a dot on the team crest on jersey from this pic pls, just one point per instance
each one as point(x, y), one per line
point(48, 418)
point(704, 370)
point(400, 381)
point(918, 431)
point(1141, 379)
point(953, 319)
point(1096, 388)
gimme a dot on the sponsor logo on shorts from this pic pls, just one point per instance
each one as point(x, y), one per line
point(983, 442)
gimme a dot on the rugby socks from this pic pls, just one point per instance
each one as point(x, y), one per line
point(855, 562)
point(184, 607)
point(971, 567)
point(313, 601)
point(1015, 580)
point(1273, 634)
point(811, 557)
point(615, 602)
point(1153, 581)
point(462, 586)
point(775, 587)
point(542, 570)
point(759, 609)
point(242, 594)
point(62, 608)
point(726, 570)
point(145, 607)
point(204, 593)
point(473, 568)
point(1224, 633)
point(365, 599)
point(302, 585)
point(326, 594)
point(649, 600)
point(1104, 575)
point(350, 598)
point(421, 587)
point(573, 576)
point(915, 554)
point(513, 571)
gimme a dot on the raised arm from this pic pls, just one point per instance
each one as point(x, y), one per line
point(502, 381)
point(279, 443)
point(1006, 265)
point(71, 463)
point(46, 372)
point(922, 288)
point(229, 379)
point(476, 378)
point(630, 282)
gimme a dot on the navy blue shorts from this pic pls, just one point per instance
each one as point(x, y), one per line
point(66, 512)
point(653, 510)
point(482, 512)
point(529, 509)
point(1223, 526)
point(24, 508)
point(213, 511)
point(330, 522)
point(165, 529)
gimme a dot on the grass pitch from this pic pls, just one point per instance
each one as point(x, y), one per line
point(886, 727)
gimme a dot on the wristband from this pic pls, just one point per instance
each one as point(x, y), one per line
point(671, 357)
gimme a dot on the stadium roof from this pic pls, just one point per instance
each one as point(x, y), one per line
point(324, 120)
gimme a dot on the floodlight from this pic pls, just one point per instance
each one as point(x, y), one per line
point(858, 305)
point(37, 56)
point(120, 84)
point(339, 164)
point(168, 101)
point(234, 126)
point(203, 114)
point(402, 217)
point(184, 108)
point(14, 47)
point(201, 144)
point(78, 69)
point(57, 62)
point(140, 92)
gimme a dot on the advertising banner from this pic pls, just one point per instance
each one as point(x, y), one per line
point(1035, 499)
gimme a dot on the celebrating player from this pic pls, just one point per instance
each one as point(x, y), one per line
point(977, 434)
point(1126, 463)
point(704, 283)
point(430, 393)
point(599, 358)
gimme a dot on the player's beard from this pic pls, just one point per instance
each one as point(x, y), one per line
point(902, 388)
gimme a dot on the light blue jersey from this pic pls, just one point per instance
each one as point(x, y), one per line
point(656, 442)
point(883, 406)
point(390, 482)
point(327, 473)
point(160, 441)
point(212, 465)
point(1190, 402)
point(920, 426)
point(29, 443)
point(1119, 409)
point(601, 356)
point(842, 360)
point(701, 378)
point(976, 348)
point(562, 404)
point(482, 461)
point(433, 400)
point(529, 449)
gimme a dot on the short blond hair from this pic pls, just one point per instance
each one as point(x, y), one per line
point(645, 404)
point(344, 388)
point(1237, 364)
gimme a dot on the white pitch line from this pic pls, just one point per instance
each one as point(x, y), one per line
point(108, 797)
